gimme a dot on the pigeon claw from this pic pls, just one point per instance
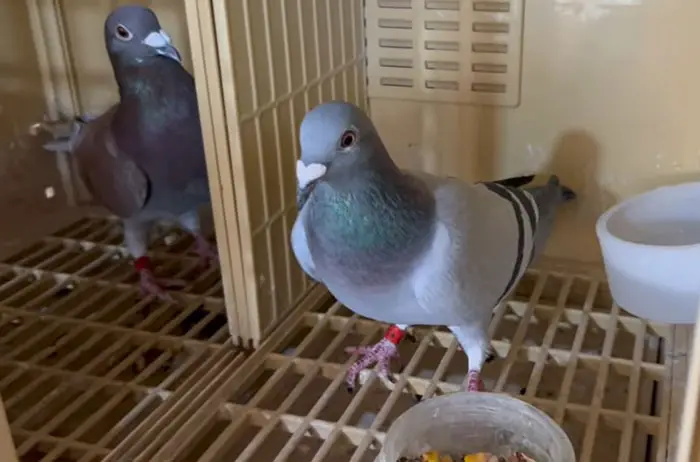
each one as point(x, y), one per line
point(150, 285)
point(380, 354)
point(473, 381)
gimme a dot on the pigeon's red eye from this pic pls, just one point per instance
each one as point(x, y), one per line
point(348, 139)
point(123, 33)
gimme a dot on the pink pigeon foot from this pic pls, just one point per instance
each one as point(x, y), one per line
point(150, 285)
point(380, 353)
point(208, 255)
point(473, 381)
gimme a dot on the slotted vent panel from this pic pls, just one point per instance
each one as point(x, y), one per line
point(453, 51)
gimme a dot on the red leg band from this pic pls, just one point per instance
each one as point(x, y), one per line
point(394, 334)
point(142, 263)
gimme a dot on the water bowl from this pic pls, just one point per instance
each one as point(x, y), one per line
point(651, 250)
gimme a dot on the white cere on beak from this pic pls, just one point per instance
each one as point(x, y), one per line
point(156, 39)
point(308, 173)
point(161, 42)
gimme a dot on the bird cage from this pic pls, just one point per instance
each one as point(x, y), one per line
point(600, 92)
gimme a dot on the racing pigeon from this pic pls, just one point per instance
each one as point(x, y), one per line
point(143, 158)
point(409, 248)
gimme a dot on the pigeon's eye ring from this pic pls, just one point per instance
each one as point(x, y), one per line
point(123, 33)
point(348, 139)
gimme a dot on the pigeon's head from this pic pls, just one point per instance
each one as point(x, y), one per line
point(337, 137)
point(133, 34)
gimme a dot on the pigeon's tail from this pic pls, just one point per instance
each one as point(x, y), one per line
point(567, 193)
point(533, 181)
point(65, 135)
point(515, 181)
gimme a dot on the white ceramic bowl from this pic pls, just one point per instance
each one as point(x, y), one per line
point(651, 250)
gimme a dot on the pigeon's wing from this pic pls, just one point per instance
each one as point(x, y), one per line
point(300, 247)
point(111, 176)
point(481, 247)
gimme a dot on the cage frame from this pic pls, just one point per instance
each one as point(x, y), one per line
point(213, 70)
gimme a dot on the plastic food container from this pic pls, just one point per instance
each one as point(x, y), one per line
point(651, 250)
point(469, 422)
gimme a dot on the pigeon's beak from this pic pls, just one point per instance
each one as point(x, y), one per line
point(160, 41)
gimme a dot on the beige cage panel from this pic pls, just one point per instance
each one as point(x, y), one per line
point(279, 58)
point(606, 376)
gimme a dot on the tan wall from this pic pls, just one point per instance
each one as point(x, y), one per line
point(610, 98)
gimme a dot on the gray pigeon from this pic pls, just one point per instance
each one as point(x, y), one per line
point(411, 248)
point(143, 159)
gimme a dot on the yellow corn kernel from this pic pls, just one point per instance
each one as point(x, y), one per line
point(434, 456)
point(479, 457)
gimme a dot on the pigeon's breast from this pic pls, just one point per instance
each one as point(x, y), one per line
point(157, 124)
point(362, 240)
point(395, 303)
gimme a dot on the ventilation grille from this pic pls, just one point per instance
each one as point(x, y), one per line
point(456, 51)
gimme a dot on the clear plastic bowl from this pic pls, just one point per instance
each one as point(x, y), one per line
point(651, 250)
point(469, 422)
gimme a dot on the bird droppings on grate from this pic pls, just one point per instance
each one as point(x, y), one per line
point(84, 357)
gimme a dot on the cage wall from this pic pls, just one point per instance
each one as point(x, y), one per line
point(279, 58)
point(602, 92)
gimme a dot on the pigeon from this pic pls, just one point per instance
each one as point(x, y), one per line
point(410, 248)
point(143, 158)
